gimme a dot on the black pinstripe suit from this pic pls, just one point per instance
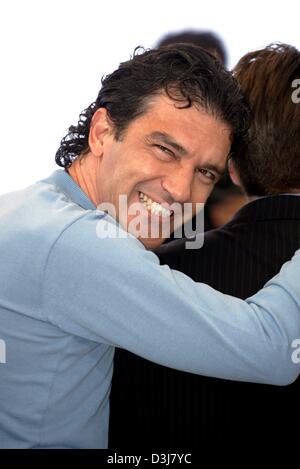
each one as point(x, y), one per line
point(153, 406)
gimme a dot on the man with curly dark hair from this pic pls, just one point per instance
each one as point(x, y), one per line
point(237, 259)
point(77, 279)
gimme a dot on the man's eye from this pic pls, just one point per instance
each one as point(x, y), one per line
point(164, 150)
point(206, 174)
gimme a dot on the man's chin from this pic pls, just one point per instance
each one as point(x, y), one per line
point(152, 243)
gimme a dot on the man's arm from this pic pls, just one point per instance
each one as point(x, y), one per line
point(114, 291)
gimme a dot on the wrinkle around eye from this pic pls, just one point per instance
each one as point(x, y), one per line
point(164, 150)
point(208, 175)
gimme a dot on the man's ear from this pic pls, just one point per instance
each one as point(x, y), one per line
point(100, 129)
point(233, 173)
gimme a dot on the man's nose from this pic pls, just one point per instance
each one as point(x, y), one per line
point(178, 184)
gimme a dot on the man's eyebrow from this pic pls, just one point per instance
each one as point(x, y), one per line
point(168, 140)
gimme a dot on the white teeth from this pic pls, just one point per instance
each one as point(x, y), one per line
point(154, 207)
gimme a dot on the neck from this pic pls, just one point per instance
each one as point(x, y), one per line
point(83, 174)
point(250, 198)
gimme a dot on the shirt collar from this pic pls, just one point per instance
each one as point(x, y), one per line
point(66, 184)
point(275, 207)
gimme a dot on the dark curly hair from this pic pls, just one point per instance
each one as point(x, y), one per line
point(186, 73)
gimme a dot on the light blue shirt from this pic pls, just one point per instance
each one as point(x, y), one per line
point(68, 297)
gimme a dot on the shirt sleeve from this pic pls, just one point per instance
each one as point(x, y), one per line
point(114, 291)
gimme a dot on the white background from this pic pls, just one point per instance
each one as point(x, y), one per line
point(53, 54)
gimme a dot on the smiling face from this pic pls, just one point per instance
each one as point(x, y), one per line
point(166, 155)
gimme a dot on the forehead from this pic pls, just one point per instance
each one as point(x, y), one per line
point(193, 128)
